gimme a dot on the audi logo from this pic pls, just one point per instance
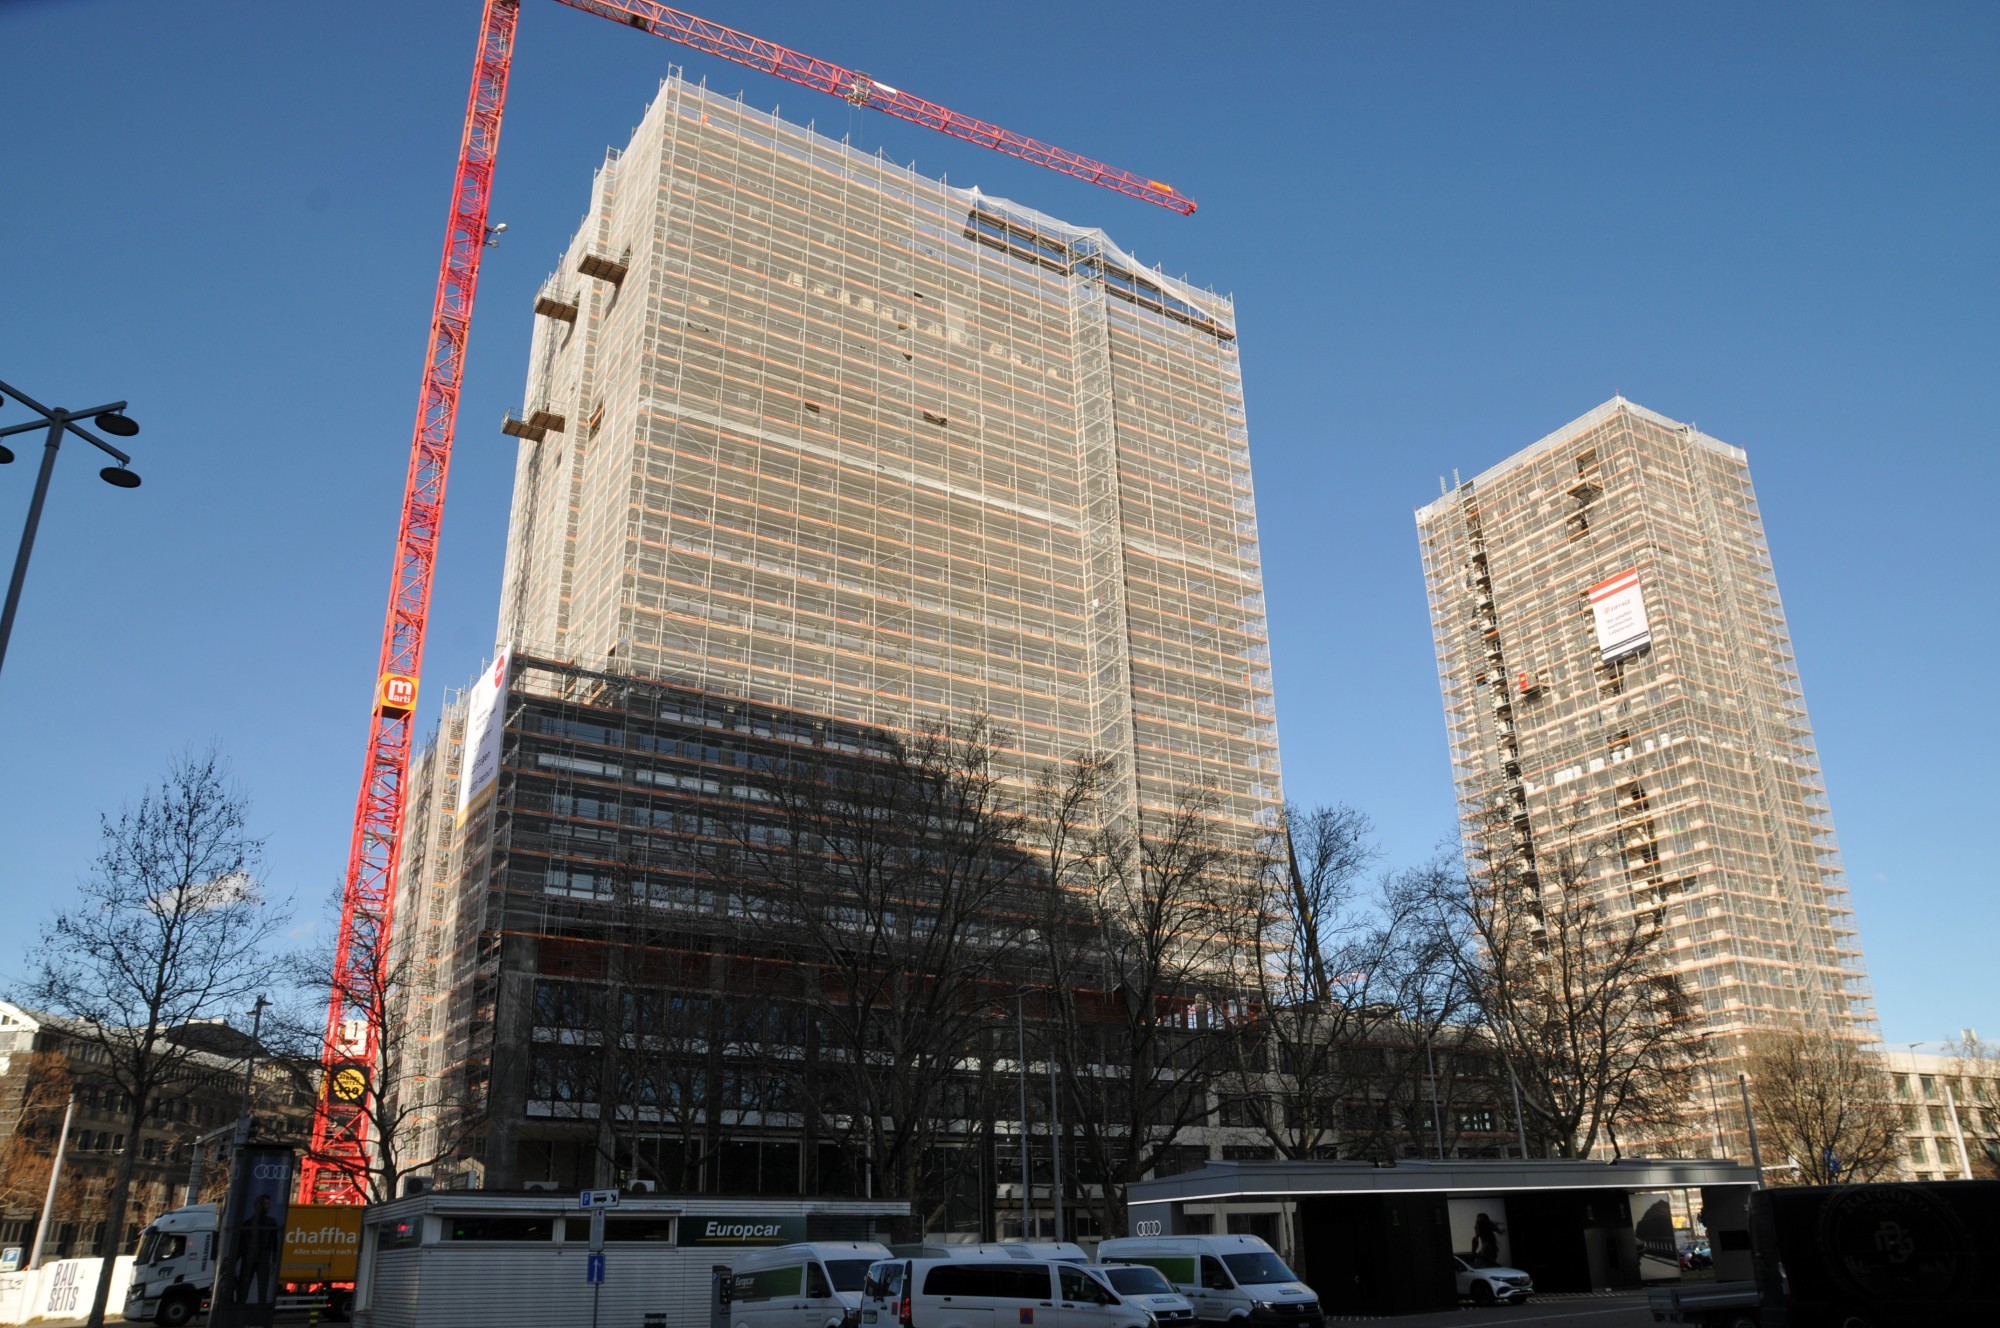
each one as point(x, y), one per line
point(1146, 1228)
point(271, 1171)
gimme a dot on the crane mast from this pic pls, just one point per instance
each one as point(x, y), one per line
point(339, 1162)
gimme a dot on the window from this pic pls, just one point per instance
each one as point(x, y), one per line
point(847, 1274)
point(656, 1230)
point(816, 1287)
point(771, 1283)
point(397, 1235)
point(1257, 1269)
point(499, 1228)
point(1213, 1276)
point(989, 1281)
point(1082, 1288)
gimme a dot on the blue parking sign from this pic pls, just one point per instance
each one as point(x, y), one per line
point(593, 1272)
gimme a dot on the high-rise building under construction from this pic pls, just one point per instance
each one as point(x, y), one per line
point(813, 448)
point(807, 428)
point(1617, 669)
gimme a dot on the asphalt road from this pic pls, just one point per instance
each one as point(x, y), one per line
point(1621, 1311)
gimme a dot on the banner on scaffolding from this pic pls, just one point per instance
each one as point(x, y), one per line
point(485, 722)
point(1618, 610)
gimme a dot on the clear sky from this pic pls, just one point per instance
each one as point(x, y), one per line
point(1449, 228)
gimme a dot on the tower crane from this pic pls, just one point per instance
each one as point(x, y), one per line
point(337, 1166)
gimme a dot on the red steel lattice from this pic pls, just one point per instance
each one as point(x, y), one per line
point(861, 90)
point(337, 1164)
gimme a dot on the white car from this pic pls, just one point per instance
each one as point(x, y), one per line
point(1489, 1283)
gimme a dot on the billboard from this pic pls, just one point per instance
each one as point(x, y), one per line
point(253, 1238)
point(485, 722)
point(1618, 610)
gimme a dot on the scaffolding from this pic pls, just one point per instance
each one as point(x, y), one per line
point(808, 428)
point(1689, 754)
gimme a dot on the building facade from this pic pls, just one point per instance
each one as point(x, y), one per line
point(806, 428)
point(48, 1062)
point(1949, 1096)
point(1617, 673)
point(816, 454)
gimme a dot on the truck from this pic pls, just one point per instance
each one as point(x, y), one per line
point(173, 1274)
point(1879, 1255)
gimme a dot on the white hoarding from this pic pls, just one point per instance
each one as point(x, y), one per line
point(485, 721)
point(1619, 611)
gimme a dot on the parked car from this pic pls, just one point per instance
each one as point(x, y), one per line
point(1490, 1283)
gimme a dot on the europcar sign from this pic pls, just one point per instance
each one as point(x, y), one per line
point(696, 1229)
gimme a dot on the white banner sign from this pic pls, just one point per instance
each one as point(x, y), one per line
point(485, 722)
point(1619, 611)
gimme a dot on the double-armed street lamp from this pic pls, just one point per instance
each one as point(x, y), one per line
point(109, 418)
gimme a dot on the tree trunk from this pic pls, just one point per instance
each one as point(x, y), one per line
point(114, 1226)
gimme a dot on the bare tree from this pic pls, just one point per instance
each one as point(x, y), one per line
point(1566, 965)
point(1976, 1065)
point(170, 927)
point(1827, 1104)
point(1144, 976)
point(1316, 962)
point(413, 1120)
point(36, 1091)
point(900, 877)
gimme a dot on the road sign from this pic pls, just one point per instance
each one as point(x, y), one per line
point(597, 1199)
point(593, 1271)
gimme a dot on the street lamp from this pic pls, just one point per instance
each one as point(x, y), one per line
point(113, 420)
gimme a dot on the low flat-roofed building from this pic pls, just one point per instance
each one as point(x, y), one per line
point(1380, 1239)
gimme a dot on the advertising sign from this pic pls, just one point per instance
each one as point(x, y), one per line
point(1618, 610)
point(253, 1238)
point(485, 722)
point(696, 1229)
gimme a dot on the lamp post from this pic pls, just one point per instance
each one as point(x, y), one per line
point(1021, 1035)
point(112, 420)
point(1714, 1104)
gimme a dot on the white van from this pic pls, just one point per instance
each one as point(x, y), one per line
point(993, 1292)
point(1147, 1287)
point(1049, 1251)
point(1236, 1280)
point(815, 1285)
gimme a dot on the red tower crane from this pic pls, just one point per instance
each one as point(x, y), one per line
point(337, 1166)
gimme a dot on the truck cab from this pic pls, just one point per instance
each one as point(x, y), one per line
point(175, 1266)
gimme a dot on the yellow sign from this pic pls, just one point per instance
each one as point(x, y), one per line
point(348, 1086)
point(397, 694)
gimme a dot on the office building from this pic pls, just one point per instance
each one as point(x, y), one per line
point(1617, 672)
point(814, 452)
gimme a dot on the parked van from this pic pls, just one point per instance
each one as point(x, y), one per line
point(1230, 1279)
point(1147, 1287)
point(815, 1285)
point(993, 1292)
point(1051, 1251)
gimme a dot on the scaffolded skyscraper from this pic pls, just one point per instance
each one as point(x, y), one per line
point(1616, 666)
point(808, 428)
point(814, 449)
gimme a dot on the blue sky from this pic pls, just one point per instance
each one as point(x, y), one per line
point(1449, 228)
